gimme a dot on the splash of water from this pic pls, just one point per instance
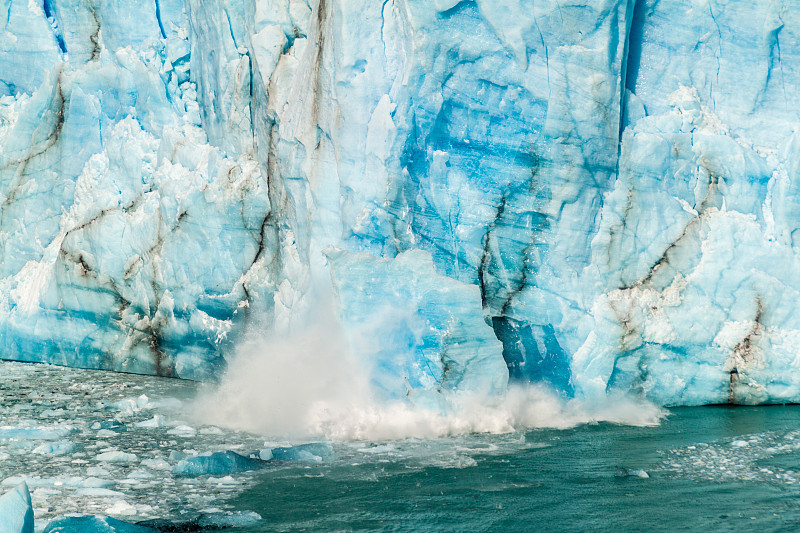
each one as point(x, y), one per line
point(310, 385)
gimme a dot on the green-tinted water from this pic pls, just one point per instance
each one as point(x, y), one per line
point(711, 469)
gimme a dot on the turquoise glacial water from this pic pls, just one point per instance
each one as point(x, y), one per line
point(710, 469)
point(103, 443)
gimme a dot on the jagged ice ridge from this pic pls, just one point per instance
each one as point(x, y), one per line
point(601, 195)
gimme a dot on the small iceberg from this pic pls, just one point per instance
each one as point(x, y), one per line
point(109, 425)
point(94, 524)
point(116, 456)
point(217, 464)
point(631, 472)
point(34, 433)
point(314, 452)
point(61, 447)
point(16, 511)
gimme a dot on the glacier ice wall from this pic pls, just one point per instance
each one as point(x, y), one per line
point(595, 194)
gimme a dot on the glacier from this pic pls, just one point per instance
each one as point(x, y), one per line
point(594, 194)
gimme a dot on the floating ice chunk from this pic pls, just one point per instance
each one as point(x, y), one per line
point(143, 401)
point(223, 520)
point(227, 480)
point(99, 492)
point(117, 457)
point(155, 422)
point(16, 511)
point(94, 524)
point(265, 454)
point(106, 433)
point(140, 474)
point(55, 448)
point(96, 483)
point(156, 464)
point(24, 445)
point(33, 482)
point(113, 425)
point(183, 431)
point(177, 456)
point(740, 443)
point(219, 463)
point(121, 507)
point(43, 492)
point(34, 433)
point(206, 520)
point(314, 452)
point(631, 472)
point(65, 481)
point(133, 405)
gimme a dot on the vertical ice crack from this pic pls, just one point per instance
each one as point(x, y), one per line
point(383, 26)
point(50, 14)
point(631, 58)
point(719, 52)
point(383, 21)
point(774, 56)
point(780, 65)
point(158, 18)
point(321, 21)
point(633, 46)
point(546, 57)
point(230, 28)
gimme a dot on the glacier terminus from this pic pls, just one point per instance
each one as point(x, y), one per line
point(598, 195)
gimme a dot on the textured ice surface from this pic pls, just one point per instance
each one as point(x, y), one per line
point(219, 463)
point(415, 329)
point(16, 512)
point(315, 452)
point(606, 188)
point(91, 524)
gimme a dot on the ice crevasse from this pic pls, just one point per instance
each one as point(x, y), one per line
point(601, 195)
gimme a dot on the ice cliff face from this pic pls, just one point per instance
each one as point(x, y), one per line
point(601, 193)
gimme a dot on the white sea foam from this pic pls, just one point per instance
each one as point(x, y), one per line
point(308, 385)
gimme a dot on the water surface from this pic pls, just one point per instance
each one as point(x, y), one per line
point(94, 442)
point(710, 468)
